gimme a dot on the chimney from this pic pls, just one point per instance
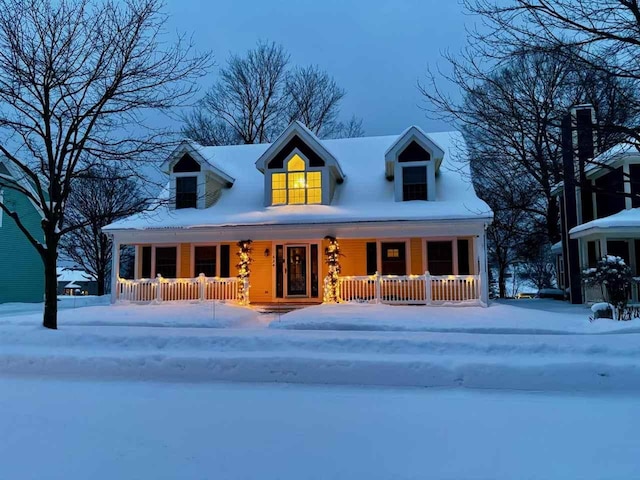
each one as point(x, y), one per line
point(578, 149)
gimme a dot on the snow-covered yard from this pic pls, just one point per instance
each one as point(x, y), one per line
point(533, 316)
point(520, 345)
point(96, 311)
point(76, 430)
point(526, 317)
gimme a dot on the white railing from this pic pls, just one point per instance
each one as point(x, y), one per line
point(177, 289)
point(410, 289)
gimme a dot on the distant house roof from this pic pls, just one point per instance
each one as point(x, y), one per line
point(73, 275)
point(617, 153)
point(626, 220)
point(365, 194)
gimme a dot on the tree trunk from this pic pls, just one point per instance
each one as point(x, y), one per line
point(50, 257)
point(502, 281)
point(101, 281)
point(553, 214)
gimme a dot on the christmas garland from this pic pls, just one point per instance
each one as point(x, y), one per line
point(244, 269)
point(332, 259)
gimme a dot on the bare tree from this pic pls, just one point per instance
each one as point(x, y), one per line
point(349, 129)
point(76, 78)
point(511, 117)
point(98, 198)
point(314, 99)
point(605, 34)
point(257, 96)
point(247, 104)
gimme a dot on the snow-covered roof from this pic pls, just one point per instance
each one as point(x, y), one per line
point(365, 194)
point(617, 153)
point(194, 149)
point(71, 275)
point(626, 219)
point(556, 248)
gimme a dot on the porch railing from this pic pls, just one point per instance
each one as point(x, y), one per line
point(410, 289)
point(161, 289)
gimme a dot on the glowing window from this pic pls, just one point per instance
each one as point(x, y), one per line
point(297, 186)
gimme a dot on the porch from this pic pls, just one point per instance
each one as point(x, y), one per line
point(595, 244)
point(433, 270)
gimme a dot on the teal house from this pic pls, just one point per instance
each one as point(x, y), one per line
point(21, 269)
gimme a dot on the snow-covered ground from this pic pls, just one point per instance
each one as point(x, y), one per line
point(76, 430)
point(97, 311)
point(532, 316)
point(124, 342)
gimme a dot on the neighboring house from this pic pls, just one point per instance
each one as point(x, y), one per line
point(21, 267)
point(398, 205)
point(76, 282)
point(601, 218)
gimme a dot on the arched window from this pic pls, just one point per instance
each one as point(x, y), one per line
point(297, 186)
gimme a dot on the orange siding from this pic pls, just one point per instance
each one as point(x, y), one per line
point(354, 259)
point(262, 283)
point(185, 260)
point(415, 249)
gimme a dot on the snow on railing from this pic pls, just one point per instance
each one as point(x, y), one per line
point(176, 289)
point(410, 289)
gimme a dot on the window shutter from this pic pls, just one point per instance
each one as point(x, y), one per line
point(224, 261)
point(372, 258)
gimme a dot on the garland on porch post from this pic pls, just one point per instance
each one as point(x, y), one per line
point(244, 269)
point(332, 259)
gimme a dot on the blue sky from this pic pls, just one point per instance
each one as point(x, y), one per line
point(376, 50)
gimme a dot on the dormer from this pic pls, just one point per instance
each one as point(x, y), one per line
point(298, 169)
point(194, 181)
point(412, 163)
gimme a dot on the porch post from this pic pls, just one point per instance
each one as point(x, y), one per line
point(482, 261)
point(115, 268)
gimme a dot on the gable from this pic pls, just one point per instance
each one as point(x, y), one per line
point(186, 164)
point(296, 143)
point(414, 153)
point(297, 136)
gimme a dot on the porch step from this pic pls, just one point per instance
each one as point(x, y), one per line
point(280, 308)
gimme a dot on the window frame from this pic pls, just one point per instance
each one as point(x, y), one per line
point(154, 247)
point(285, 171)
point(426, 181)
point(183, 176)
point(407, 252)
point(454, 241)
point(192, 257)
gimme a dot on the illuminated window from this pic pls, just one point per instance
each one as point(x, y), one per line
point(297, 186)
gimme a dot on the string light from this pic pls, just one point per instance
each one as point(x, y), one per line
point(331, 292)
point(244, 269)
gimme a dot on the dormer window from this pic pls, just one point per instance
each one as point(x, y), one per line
point(414, 183)
point(297, 186)
point(412, 163)
point(186, 192)
point(194, 180)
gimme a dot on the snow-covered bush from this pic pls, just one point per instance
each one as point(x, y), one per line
point(602, 310)
point(614, 277)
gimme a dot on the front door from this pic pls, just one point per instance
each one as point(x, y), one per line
point(296, 271)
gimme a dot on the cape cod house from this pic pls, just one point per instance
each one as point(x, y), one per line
point(401, 210)
point(21, 268)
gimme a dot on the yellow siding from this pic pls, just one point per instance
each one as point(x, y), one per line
point(185, 260)
point(415, 249)
point(262, 282)
point(354, 259)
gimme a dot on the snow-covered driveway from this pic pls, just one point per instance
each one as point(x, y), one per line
point(70, 430)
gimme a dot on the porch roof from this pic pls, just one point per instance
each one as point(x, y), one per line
point(364, 196)
point(626, 222)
